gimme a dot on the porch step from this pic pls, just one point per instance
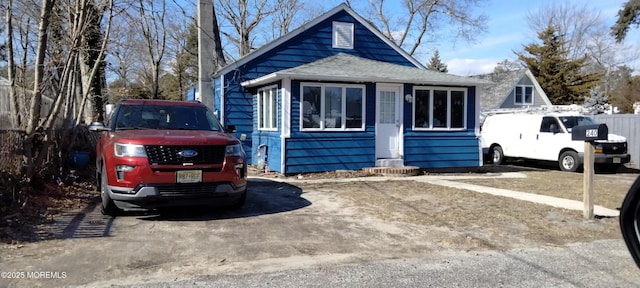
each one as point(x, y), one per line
point(390, 163)
point(393, 171)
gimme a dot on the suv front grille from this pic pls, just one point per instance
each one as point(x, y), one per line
point(168, 155)
point(614, 148)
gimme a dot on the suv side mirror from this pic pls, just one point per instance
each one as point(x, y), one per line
point(230, 129)
point(554, 128)
point(630, 220)
point(97, 127)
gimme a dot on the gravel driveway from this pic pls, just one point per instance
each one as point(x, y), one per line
point(297, 225)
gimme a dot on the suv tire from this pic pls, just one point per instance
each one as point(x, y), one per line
point(569, 161)
point(243, 198)
point(107, 207)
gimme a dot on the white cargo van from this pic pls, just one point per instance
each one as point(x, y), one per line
point(547, 136)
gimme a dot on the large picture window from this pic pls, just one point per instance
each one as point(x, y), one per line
point(439, 108)
point(332, 107)
point(523, 95)
point(268, 108)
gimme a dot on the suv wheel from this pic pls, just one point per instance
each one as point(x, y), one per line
point(107, 207)
point(497, 156)
point(569, 161)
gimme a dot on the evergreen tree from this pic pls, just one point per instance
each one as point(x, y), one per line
point(628, 15)
point(436, 64)
point(561, 78)
point(597, 103)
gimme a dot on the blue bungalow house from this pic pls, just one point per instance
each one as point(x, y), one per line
point(337, 94)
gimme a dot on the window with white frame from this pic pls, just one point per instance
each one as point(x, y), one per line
point(343, 35)
point(268, 108)
point(439, 108)
point(523, 95)
point(332, 107)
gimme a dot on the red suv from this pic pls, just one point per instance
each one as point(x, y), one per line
point(159, 153)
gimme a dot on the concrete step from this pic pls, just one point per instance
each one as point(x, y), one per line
point(390, 163)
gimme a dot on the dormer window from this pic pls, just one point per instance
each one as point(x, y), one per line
point(343, 35)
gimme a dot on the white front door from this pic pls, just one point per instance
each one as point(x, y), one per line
point(388, 121)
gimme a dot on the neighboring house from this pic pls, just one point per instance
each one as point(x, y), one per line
point(337, 94)
point(22, 94)
point(512, 89)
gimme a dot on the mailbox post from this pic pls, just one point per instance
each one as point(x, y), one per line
point(589, 134)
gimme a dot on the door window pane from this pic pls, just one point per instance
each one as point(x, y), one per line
point(387, 107)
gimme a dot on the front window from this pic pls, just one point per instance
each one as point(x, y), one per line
point(332, 107)
point(268, 108)
point(524, 95)
point(439, 108)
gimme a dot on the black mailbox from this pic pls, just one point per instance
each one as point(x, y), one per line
point(590, 132)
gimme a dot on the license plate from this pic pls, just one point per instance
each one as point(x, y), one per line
point(616, 160)
point(189, 176)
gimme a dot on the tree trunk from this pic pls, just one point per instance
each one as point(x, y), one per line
point(36, 101)
point(13, 101)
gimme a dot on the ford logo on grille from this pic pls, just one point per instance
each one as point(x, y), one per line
point(188, 153)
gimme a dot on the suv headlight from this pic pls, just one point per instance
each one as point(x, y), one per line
point(129, 150)
point(234, 150)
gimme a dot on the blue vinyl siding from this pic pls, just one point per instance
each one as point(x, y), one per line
point(217, 96)
point(345, 151)
point(269, 138)
point(435, 149)
point(311, 45)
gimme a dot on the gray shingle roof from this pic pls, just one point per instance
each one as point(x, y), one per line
point(494, 95)
point(345, 67)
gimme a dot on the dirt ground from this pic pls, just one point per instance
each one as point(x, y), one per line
point(309, 223)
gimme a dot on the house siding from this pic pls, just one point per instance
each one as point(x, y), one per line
point(271, 139)
point(318, 151)
point(434, 149)
point(311, 45)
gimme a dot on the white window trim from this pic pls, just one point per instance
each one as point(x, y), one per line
point(342, 25)
point(322, 106)
point(533, 94)
point(431, 128)
point(274, 107)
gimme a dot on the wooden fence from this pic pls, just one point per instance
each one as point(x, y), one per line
point(627, 125)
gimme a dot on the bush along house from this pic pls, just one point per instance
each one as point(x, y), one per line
point(336, 94)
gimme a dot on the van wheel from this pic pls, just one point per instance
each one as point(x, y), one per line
point(569, 161)
point(497, 157)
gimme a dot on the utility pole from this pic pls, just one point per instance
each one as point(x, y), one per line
point(206, 63)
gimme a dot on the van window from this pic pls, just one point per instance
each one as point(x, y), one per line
point(570, 121)
point(546, 124)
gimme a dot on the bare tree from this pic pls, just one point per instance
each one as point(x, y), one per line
point(153, 25)
point(244, 16)
point(428, 19)
point(13, 101)
point(283, 18)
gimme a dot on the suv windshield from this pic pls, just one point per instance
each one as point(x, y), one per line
point(570, 121)
point(165, 117)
